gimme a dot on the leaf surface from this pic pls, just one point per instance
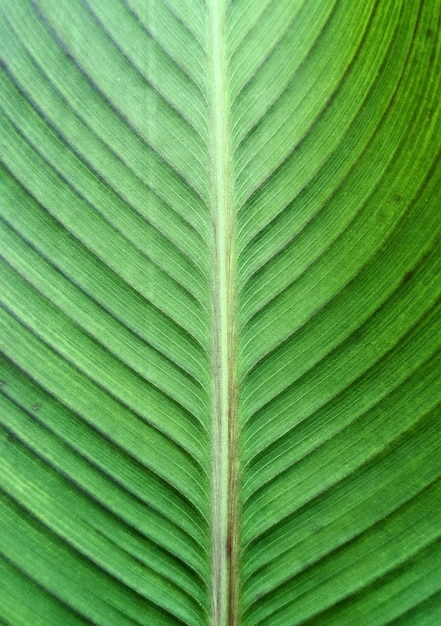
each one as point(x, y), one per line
point(220, 312)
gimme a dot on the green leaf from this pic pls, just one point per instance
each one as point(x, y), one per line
point(220, 312)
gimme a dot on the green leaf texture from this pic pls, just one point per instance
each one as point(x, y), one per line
point(220, 319)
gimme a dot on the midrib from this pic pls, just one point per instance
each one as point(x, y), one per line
point(224, 438)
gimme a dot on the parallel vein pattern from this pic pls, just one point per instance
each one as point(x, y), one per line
point(220, 312)
point(337, 188)
point(105, 317)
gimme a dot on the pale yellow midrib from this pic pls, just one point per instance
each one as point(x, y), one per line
point(223, 322)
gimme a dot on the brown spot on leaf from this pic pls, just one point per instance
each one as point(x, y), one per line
point(229, 548)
